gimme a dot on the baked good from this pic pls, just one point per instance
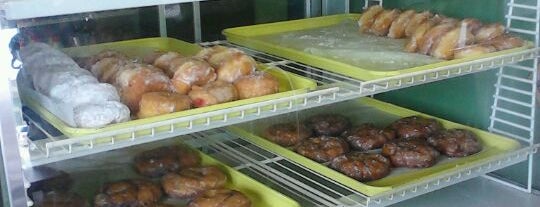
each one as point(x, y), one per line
point(417, 38)
point(185, 72)
point(230, 63)
point(94, 115)
point(412, 153)
point(506, 42)
point(397, 29)
point(221, 197)
point(415, 127)
point(193, 181)
point(382, 23)
point(416, 21)
point(102, 55)
point(287, 134)
point(158, 103)
point(62, 199)
point(455, 142)
point(85, 93)
point(368, 137)
point(213, 93)
point(455, 38)
point(362, 166)
point(54, 81)
point(105, 70)
point(159, 161)
point(473, 50)
point(136, 79)
point(133, 192)
point(164, 60)
point(433, 36)
point(488, 32)
point(472, 25)
point(323, 148)
point(368, 17)
point(328, 124)
point(256, 84)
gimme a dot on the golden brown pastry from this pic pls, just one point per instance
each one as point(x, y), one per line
point(221, 197)
point(456, 38)
point(472, 25)
point(416, 21)
point(105, 70)
point(230, 63)
point(158, 103)
point(506, 42)
point(417, 38)
point(256, 84)
point(397, 29)
point(382, 24)
point(433, 36)
point(473, 50)
point(134, 192)
point(102, 55)
point(159, 161)
point(368, 17)
point(186, 72)
point(164, 60)
point(213, 93)
point(287, 134)
point(193, 181)
point(488, 32)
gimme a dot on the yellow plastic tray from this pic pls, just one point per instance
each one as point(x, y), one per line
point(381, 114)
point(289, 84)
point(246, 36)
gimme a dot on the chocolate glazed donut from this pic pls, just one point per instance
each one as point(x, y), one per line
point(328, 124)
point(415, 127)
point(362, 166)
point(157, 162)
point(368, 137)
point(221, 198)
point(134, 192)
point(455, 142)
point(413, 153)
point(193, 181)
point(287, 134)
point(322, 149)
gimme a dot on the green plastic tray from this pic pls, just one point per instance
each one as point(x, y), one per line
point(247, 36)
point(381, 114)
point(289, 84)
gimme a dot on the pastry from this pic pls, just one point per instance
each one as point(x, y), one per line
point(220, 197)
point(191, 182)
point(185, 72)
point(322, 149)
point(455, 142)
point(397, 29)
point(411, 153)
point(158, 103)
point(362, 166)
point(433, 36)
point(455, 38)
point(134, 192)
point(105, 70)
point(159, 161)
point(164, 60)
point(383, 21)
point(506, 42)
point(94, 115)
point(415, 127)
point(213, 93)
point(416, 21)
point(287, 134)
point(256, 84)
point(367, 137)
point(488, 32)
point(473, 50)
point(328, 124)
point(368, 17)
point(230, 63)
point(418, 36)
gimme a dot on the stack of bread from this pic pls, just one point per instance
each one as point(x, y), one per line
point(167, 82)
point(436, 35)
point(57, 76)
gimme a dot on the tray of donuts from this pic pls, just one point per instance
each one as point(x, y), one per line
point(413, 35)
point(159, 175)
point(372, 146)
point(147, 80)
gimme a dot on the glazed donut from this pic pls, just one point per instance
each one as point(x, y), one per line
point(185, 72)
point(397, 29)
point(191, 182)
point(415, 127)
point(411, 153)
point(328, 124)
point(488, 32)
point(230, 63)
point(434, 35)
point(287, 134)
point(368, 17)
point(134, 192)
point(62, 199)
point(416, 21)
point(221, 197)
point(134, 80)
point(102, 55)
point(158, 103)
point(106, 69)
point(367, 137)
point(506, 42)
point(322, 149)
point(164, 60)
point(418, 36)
point(213, 93)
point(362, 166)
point(473, 50)
point(456, 38)
point(455, 142)
point(256, 84)
point(382, 24)
point(157, 162)
point(151, 57)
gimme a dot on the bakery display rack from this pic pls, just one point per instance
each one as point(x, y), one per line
point(308, 187)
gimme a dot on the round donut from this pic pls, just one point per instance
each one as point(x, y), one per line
point(135, 192)
point(158, 103)
point(221, 198)
point(287, 134)
point(362, 166)
point(256, 84)
point(415, 127)
point(102, 55)
point(193, 181)
point(230, 63)
point(164, 60)
point(455, 142)
point(368, 137)
point(213, 93)
point(185, 72)
point(106, 69)
point(328, 124)
point(62, 199)
point(160, 161)
point(412, 153)
point(323, 148)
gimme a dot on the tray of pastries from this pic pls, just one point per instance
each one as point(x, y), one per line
point(380, 42)
point(119, 85)
point(372, 146)
point(159, 175)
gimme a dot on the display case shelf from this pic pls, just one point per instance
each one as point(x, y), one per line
point(312, 189)
point(331, 88)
